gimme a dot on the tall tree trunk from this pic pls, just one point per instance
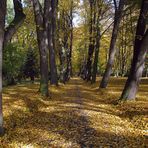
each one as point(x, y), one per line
point(62, 66)
point(71, 39)
point(95, 64)
point(43, 46)
point(2, 28)
point(112, 50)
point(62, 56)
point(140, 51)
point(43, 64)
point(65, 50)
point(97, 49)
point(91, 43)
point(52, 31)
point(66, 47)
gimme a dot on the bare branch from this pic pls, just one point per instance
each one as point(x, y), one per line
point(107, 28)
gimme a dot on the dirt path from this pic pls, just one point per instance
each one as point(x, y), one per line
point(78, 116)
point(99, 120)
point(87, 132)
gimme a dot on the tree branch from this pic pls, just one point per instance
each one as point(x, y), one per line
point(17, 21)
point(107, 28)
point(115, 4)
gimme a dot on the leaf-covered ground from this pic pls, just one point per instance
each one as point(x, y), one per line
point(78, 115)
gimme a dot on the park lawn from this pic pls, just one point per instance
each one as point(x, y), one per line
point(75, 115)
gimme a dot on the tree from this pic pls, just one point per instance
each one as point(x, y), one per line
point(5, 35)
point(41, 19)
point(101, 15)
point(69, 52)
point(140, 51)
point(17, 21)
point(62, 37)
point(52, 40)
point(2, 26)
point(99, 12)
point(126, 37)
point(13, 58)
point(97, 47)
point(91, 39)
point(30, 68)
point(112, 50)
point(65, 37)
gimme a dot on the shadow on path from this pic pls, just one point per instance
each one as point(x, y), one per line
point(63, 122)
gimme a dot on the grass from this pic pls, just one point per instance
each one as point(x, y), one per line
point(78, 115)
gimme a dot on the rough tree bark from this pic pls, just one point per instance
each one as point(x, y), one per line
point(140, 51)
point(66, 48)
point(91, 42)
point(112, 50)
point(62, 64)
point(69, 64)
point(41, 24)
point(62, 55)
point(52, 31)
point(97, 48)
point(2, 27)
point(64, 51)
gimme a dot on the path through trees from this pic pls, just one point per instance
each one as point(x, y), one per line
point(76, 116)
point(43, 50)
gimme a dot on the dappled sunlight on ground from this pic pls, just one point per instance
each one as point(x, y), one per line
point(77, 115)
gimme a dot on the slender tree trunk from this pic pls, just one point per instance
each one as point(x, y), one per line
point(95, 65)
point(66, 47)
point(62, 66)
point(2, 27)
point(140, 51)
point(62, 56)
point(66, 50)
point(70, 54)
point(71, 39)
point(69, 64)
point(112, 50)
point(52, 31)
point(43, 46)
point(91, 43)
point(97, 49)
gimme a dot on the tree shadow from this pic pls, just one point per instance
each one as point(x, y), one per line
point(75, 129)
point(66, 125)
